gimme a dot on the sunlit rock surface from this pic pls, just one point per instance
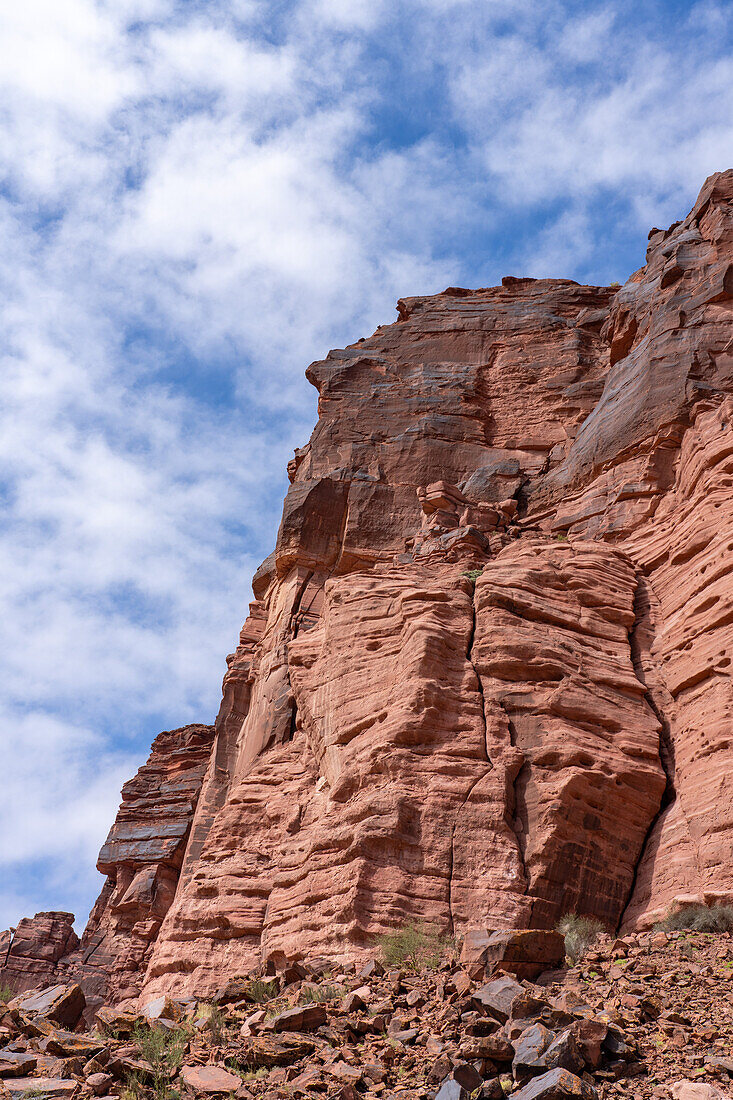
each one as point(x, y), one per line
point(485, 678)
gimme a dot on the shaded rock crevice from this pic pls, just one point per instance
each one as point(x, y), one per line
point(641, 636)
point(485, 753)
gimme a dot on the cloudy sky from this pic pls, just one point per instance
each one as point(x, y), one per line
point(198, 199)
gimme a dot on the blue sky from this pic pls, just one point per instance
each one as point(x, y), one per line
point(198, 199)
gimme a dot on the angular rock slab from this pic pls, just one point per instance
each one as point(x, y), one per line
point(558, 1084)
point(697, 1090)
point(64, 1004)
point(525, 954)
point(497, 997)
point(209, 1079)
point(55, 1088)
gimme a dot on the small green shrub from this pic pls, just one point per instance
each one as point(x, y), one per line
point(258, 991)
point(6, 994)
point(133, 1088)
point(561, 538)
point(472, 574)
point(615, 285)
point(164, 1050)
point(215, 1017)
point(415, 947)
point(698, 918)
point(580, 933)
point(316, 993)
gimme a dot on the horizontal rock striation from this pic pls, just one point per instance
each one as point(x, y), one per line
point(485, 677)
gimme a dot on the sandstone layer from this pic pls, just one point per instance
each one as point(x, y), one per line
point(485, 677)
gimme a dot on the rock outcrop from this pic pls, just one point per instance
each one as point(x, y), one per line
point(485, 678)
point(30, 953)
point(141, 860)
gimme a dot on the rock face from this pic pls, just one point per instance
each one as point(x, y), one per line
point(142, 859)
point(485, 678)
point(29, 954)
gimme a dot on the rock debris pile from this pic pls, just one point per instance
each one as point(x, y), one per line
point(647, 1016)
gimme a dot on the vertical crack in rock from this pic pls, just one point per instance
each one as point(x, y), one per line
point(469, 658)
point(484, 773)
point(11, 940)
point(642, 621)
point(643, 625)
point(293, 720)
point(519, 807)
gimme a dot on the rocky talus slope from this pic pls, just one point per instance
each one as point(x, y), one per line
point(485, 679)
point(647, 1016)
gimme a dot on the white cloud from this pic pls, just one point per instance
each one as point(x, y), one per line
point(637, 123)
point(566, 243)
point(50, 801)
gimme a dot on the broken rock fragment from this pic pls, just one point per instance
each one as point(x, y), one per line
point(522, 953)
point(209, 1079)
point(557, 1084)
point(307, 1018)
point(63, 1004)
point(496, 997)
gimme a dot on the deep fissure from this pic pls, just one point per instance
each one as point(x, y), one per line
point(642, 619)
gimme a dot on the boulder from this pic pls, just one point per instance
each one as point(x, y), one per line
point(451, 1089)
point(163, 1008)
point(522, 953)
point(497, 1048)
point(16, 1065)
point(467, 1076)
point(697, 1090)
point(590, 1036)
point(49, 1088)
point(306, 1018)
point(529, 1049)
point(63, 1004)
point(99, 1083)
point(557, 1084)
point(564, 1052)
point(117, 1022)
point(125, 1063)
point(209, 1079)
point(233, 989)
point(67, 1044)
point(496, 997)
point(269, 1051)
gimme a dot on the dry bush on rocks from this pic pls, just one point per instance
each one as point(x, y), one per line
point(313, 994)
point(259, 991)
point(164, 1051)
point(698, 918)
point(415, 947)
point(215, 1019)
point(580, 933)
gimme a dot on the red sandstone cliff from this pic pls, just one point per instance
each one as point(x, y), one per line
point(396, 741)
